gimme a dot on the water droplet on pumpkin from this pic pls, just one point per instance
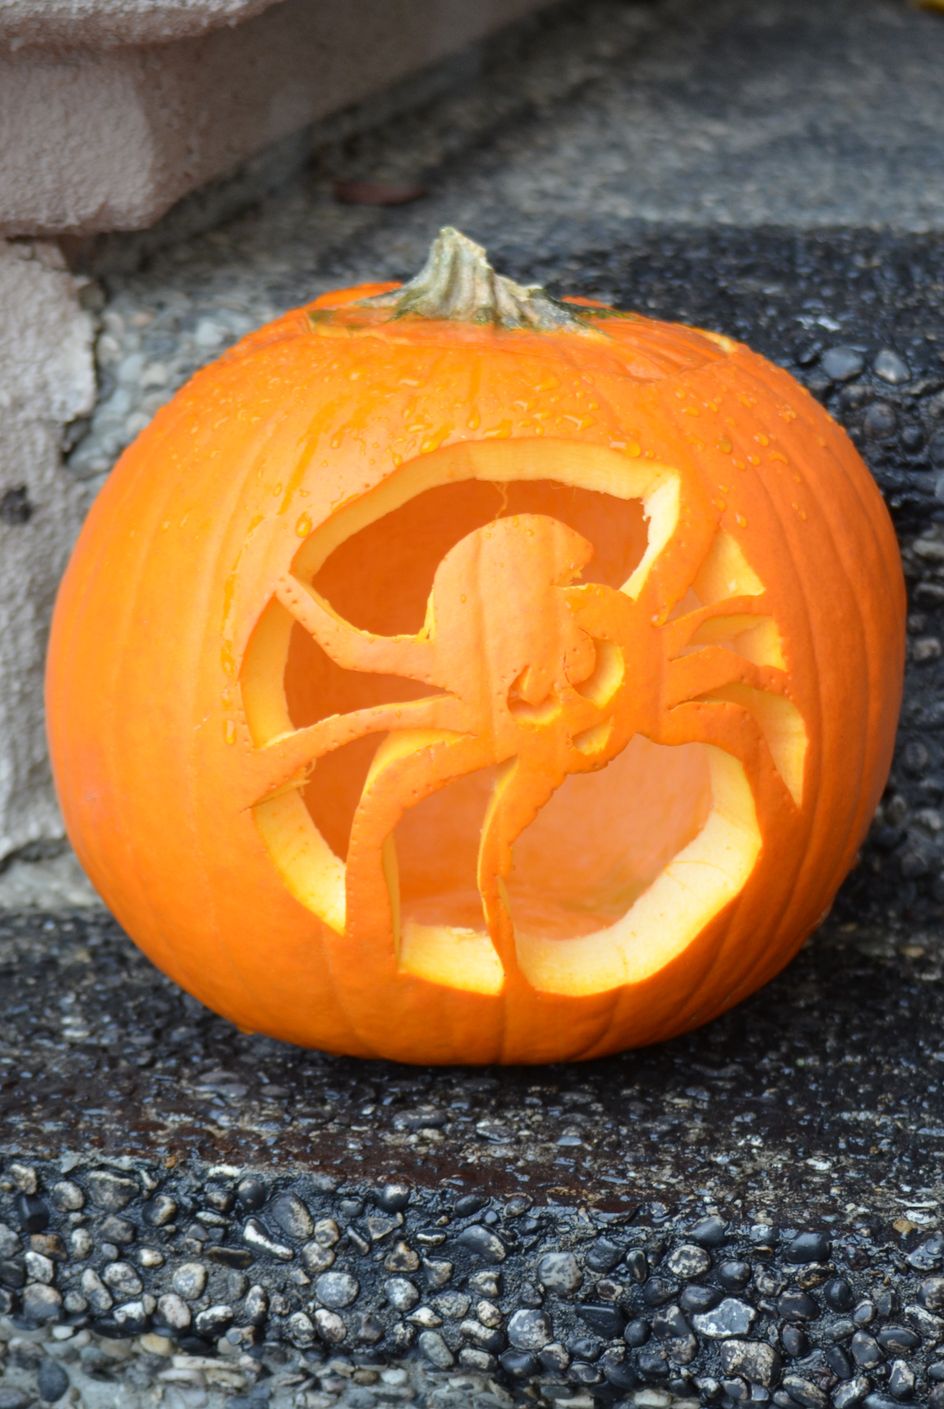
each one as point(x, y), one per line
point(229, 731)
point(740, 520)
point(762, 439)
point(725, 446)
point(303, 526)
point(633, 448)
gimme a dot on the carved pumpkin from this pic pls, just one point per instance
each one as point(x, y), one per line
point(452, 674)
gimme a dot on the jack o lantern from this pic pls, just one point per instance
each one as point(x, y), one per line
point(450, 673)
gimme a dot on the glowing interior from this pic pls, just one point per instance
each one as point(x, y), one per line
point(624, 866)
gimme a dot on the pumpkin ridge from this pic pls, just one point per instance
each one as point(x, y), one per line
point(804, 858)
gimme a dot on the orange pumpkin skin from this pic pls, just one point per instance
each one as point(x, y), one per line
point(177, 675)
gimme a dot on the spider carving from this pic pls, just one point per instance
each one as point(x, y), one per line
point(532, 672)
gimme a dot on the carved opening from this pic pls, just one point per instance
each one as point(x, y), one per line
point(480, 798)
point(380, 580)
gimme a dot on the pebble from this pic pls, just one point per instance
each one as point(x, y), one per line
point(24, 1177)
point(687, 1261)
point(41, 1303)
point(931, 1293)
point(807, 1247)
point(794, 1341)
point(603, 1255)
point(709, 1232)
point(317, 1258)
point(39, 1268)
point(838, 1294)
point(189, 1280)
point(337, 1289)
point(797, 1306)
point(163, 1210)
point(121, 1278)
point(729, 1318)
point(212, 1322)
point(99, 1297)
point(734, 1274)
point(602, 1317)
point(879, 421)
point(890, 367)
point(901, 1379)
point(865, 1350)
point(529, 1330)
point(560, 1272)
point(111, 1192)
point(251, 1193)
point(897, 1339)
point(842, 363)
point(851, 1392)
point(256, 1305)
point(173, 1311)
point(839, 1362)
point(32, 1212)
point(805, 1392)
point(483, 1243)
point(301, 1329)
point(52, 1381)
point(434, 1349)
point(132, 1316)
point(256, 1236)
point(637, 1332)
point(290, 1215)
point(928, 1256)
point(698, 1298)
point(401, 1293)
point(330, 1326)
point(758, 1362)
point(658, 1290)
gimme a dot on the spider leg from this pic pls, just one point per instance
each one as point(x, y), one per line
point(520, 793)
point(730, 614)
point(352, 648)
point(286, 761)
point(712, 668)
point(408, 768)
point(764, 732)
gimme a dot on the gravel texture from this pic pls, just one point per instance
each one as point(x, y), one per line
point(749, 1211)
point(190, 1216)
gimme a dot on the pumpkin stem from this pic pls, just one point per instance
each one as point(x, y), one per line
point(458, 283)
